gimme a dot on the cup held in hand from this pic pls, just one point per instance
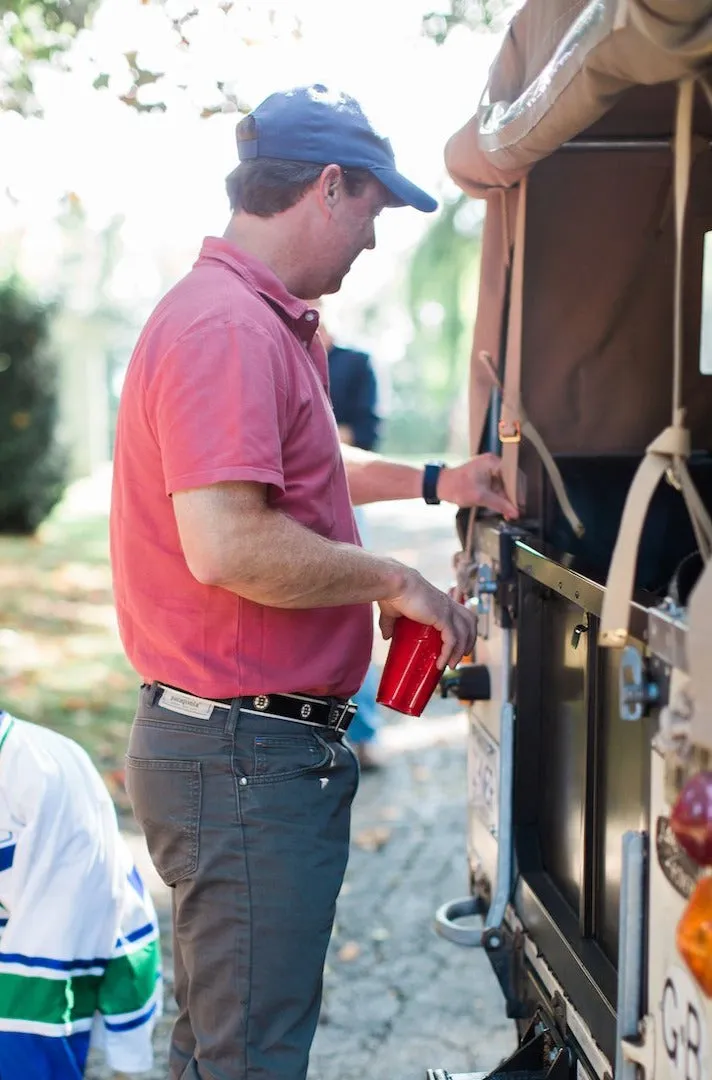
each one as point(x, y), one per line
point(410, 674)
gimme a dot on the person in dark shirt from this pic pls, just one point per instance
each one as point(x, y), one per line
point(352, 382)
point(354, 393)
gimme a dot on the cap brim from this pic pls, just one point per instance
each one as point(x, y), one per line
point(406, 194)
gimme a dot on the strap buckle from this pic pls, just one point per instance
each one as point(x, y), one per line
point(509, 433)
point(343, 711)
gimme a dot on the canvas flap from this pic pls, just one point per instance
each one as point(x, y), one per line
point(563, 66)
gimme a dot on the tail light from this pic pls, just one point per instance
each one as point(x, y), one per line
point(694, 934)
point(691, 822)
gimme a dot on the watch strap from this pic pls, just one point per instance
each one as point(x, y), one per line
point(430, 481)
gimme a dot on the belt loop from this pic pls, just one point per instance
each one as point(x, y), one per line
point(156, 691)
point(233, 715)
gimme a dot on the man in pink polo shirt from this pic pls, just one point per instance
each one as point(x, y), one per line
point(243, 595)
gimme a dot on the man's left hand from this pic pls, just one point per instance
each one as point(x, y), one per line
point(478, 482)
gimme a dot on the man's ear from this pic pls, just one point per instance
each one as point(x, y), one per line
point(331, 183)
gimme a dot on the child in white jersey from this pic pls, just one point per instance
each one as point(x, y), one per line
point(79, 946)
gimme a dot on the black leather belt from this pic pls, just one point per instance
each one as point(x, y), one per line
point(327, 712)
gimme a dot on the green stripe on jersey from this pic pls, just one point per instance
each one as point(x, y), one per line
point(49, 1001)
point(130, 980)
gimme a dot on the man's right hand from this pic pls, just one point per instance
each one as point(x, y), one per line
point(423, 603)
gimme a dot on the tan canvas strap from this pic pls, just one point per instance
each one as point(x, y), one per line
point(683, 163)
point(668, 453)
point(529, 432)
point(514, 424)
point(492, 292)
point(510, 426)
point(706, 89)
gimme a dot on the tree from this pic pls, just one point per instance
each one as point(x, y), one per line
point(441, 288)
point(32, 464)
point(35, 32)
point(472, 14)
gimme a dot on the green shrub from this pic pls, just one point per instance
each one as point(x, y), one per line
point(33, 467)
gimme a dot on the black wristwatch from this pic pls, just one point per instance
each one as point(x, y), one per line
point(430, 482)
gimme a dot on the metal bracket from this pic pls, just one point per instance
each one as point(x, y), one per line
point(640, 1050)
point(490, 935)
point(509, 433)
point(637, 691)
point(630, 949)
point(442, 1074)
point(539, 1056)
point(558, 1008)
point(485, 588)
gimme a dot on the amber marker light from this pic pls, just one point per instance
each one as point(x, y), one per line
point(694, 935)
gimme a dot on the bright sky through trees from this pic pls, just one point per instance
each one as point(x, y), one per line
point(164, 172)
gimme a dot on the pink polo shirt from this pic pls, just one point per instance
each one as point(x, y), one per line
point(228, 382)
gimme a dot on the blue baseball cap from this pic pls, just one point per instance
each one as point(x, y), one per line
point(315, 124)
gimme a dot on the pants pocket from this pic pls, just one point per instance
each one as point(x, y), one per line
point(166, 798)
point(285, 757)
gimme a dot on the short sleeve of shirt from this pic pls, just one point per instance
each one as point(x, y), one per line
point(217, 404)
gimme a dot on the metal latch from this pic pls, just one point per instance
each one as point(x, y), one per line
point(637, 690)
point(485, 587)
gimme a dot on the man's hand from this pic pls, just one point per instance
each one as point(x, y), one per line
point(477, 483)
point(423, 603)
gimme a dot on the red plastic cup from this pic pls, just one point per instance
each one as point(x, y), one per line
point(410, 674)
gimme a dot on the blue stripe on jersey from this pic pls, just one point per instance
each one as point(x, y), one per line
point(143, 931)
point(54, 965)
point(126, 1025)
point(7, 854)
point(135, 879)
point(72, 965)
point(35, 1057)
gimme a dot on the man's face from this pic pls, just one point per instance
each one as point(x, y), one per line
point(350, 229)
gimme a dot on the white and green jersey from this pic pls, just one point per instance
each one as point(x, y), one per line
point(79, 947)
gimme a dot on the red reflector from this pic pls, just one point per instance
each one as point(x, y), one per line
point(694, 934)
point(691, 819)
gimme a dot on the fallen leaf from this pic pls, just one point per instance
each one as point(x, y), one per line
point(115, 781)
point(373, 839)
point(349, 951)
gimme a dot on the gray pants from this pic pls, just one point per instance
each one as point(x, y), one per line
point(247, 818)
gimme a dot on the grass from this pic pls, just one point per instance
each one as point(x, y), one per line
point(61, 660)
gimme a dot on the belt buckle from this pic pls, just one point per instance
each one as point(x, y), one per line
point(338, 713)
point(511, 433)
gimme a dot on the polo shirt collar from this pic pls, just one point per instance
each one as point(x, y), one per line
point(302, 319)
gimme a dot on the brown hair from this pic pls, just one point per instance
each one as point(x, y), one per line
point(267, 186)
